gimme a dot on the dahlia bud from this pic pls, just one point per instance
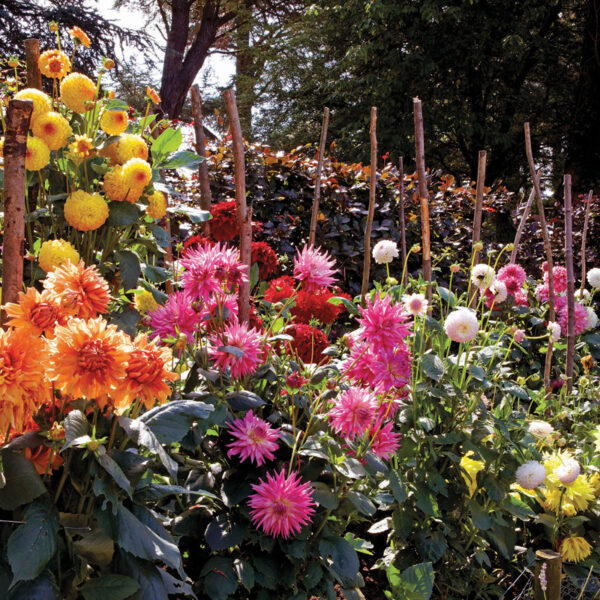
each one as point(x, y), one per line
point(561, 443)
point(93, 445)
point(509, 247)
point(295, 380)
point(416, 248)
point(392, 281)
point(57, 431)
point(331, 384)
point(587, 362)
point(478, 246)
point(583, 382)
point(53, 26)
point(111, 94)
point(455, 268)
point(181, 342)
point(108, 64)
point(13, 62)
point(521, 381)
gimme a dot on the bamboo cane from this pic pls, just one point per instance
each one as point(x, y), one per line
point(32, 57)
point(481, 164)
point(18, 116)
point(423, 194)
point(244, 212)
point(570, 283)
point(584, 239)
point(371, 213)
point(524, 217)
point(315, 208)
point(205, 193)
point(402, 218)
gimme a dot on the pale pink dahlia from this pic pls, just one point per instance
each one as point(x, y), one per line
point(512, 271)
point(314, 269)
point(383, 324)
point(415, 304)
point(386, 442)
point(254, 439)
point(519, 336)
point(461, 325)
point(521, 298)
point(281, 505)
point(353, 412)
point(177, 316)
point(238, 336)
point(581, 316)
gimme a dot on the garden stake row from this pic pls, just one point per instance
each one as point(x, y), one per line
point(205, 193)
point(315, 208)
point(570, 283)
point(402, 217)
point(15, 145)
point(423, 194)
point(548, 248)
point(481, 163)
point(32, 57)
point(244, 212)
point(584, 239)
point(523, 221)
point(369, 225)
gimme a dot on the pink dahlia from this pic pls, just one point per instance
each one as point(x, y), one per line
point(560, 279)
point(580, 318)
point(353, 412)
point(314, 269)
point(386, 442)
point(254, 439)
point(390, 368)
point(542, 292)
point(177, 316)
point(514, 272)
point(383, 323)
point(218, 309)
point(521, 298)
point(281, 505)
point(358, 364)
point(245, 352)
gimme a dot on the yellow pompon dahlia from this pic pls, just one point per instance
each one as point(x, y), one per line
point(471, 468)
point(77, 92)
point(131, 146)
point(570, 499)
point(84, 211)
point(157, 205)
point(54, 64)
point(53, 129)
point(136, 173)
point(144, 301)
point(147, 376)
point(117, 190)
point(54, 253)
point(37, 155)
point(82, 290)
point(41, 102)
point(110, 152)
point(80, 36)
point(88, 359)
point(114, 122)
point(36, 312)
point(153, 95)
point(575, 549)
point(82, 147)
point(24, 387)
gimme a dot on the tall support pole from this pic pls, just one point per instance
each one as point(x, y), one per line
point(570, 283)
point(32, 57)
point(315, 207)
point(18, 116)
point(524, 217)
point(244, 212)
point(481, 164)
point(203, 178)
point(371, 213)
point(584, 240)
point(423, 194)
point(402, 219)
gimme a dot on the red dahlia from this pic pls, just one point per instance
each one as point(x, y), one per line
point(309, 342)
point(265, 257)
point(280, 289)
point(316, 306)
point(223, 225)
point(196, 240)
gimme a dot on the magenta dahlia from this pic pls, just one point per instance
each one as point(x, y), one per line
point(391, 368)
point(353, 412)
point(580, 318)
point(514, 272)
point(315, 269)
point(383, 324)
point(386, 442)
point(255, 439)
point(281, 505)
point(176, 316)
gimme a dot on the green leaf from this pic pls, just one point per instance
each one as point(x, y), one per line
point(155, 274)
point(504, 538)
point(234, 350)
point(323, 495)
point(23, 484)
point(114, 470)
point(97, 548)
point(221, 533)
point(362, 503)
point(122, 214)
point(351, 468)
point(349, 305)
point(480, 517)
point(40, 588)
point(160, 235)
point(195, 215)
point(184, 159)
point(381, 526)
point(126, 320)
point(420, 579)
point(129, 266)
point(76, 426)
point(518, 508)
point(398, 488)
point(171, 421)
point(245, 573)
point(152, 586)
point(115, 587)
point(34, 543)
point(432, 366)
point(345, 562)
point(243, 400)
point(426, 501)
point(494, 489)
point(168, 141)
point(220, 579)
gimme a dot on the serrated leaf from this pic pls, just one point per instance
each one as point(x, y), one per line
point(115, 587)
point(243, 400)
point(23, 483)
point(433, 366)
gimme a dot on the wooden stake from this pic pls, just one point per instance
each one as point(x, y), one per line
point(244, 212)
point(15, 148)
point(481, 163)
point(371, 213)
point(315, 208)
point(583, 242)
point(402, 219)
point(547, 247)
point(423, 194)
point(205, 193)
point(32, 57)
point(524, 217)
point(552, 575)
point(570, 283)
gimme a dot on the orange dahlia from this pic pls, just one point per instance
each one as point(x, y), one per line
point(147, 376)
point(80, 36)
point(88, 359)
point(23, 383)
point(82, 147)
point(153, 95)
point(36, 313)
point(54, 64)
point(44, 459)
point(83, 291)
